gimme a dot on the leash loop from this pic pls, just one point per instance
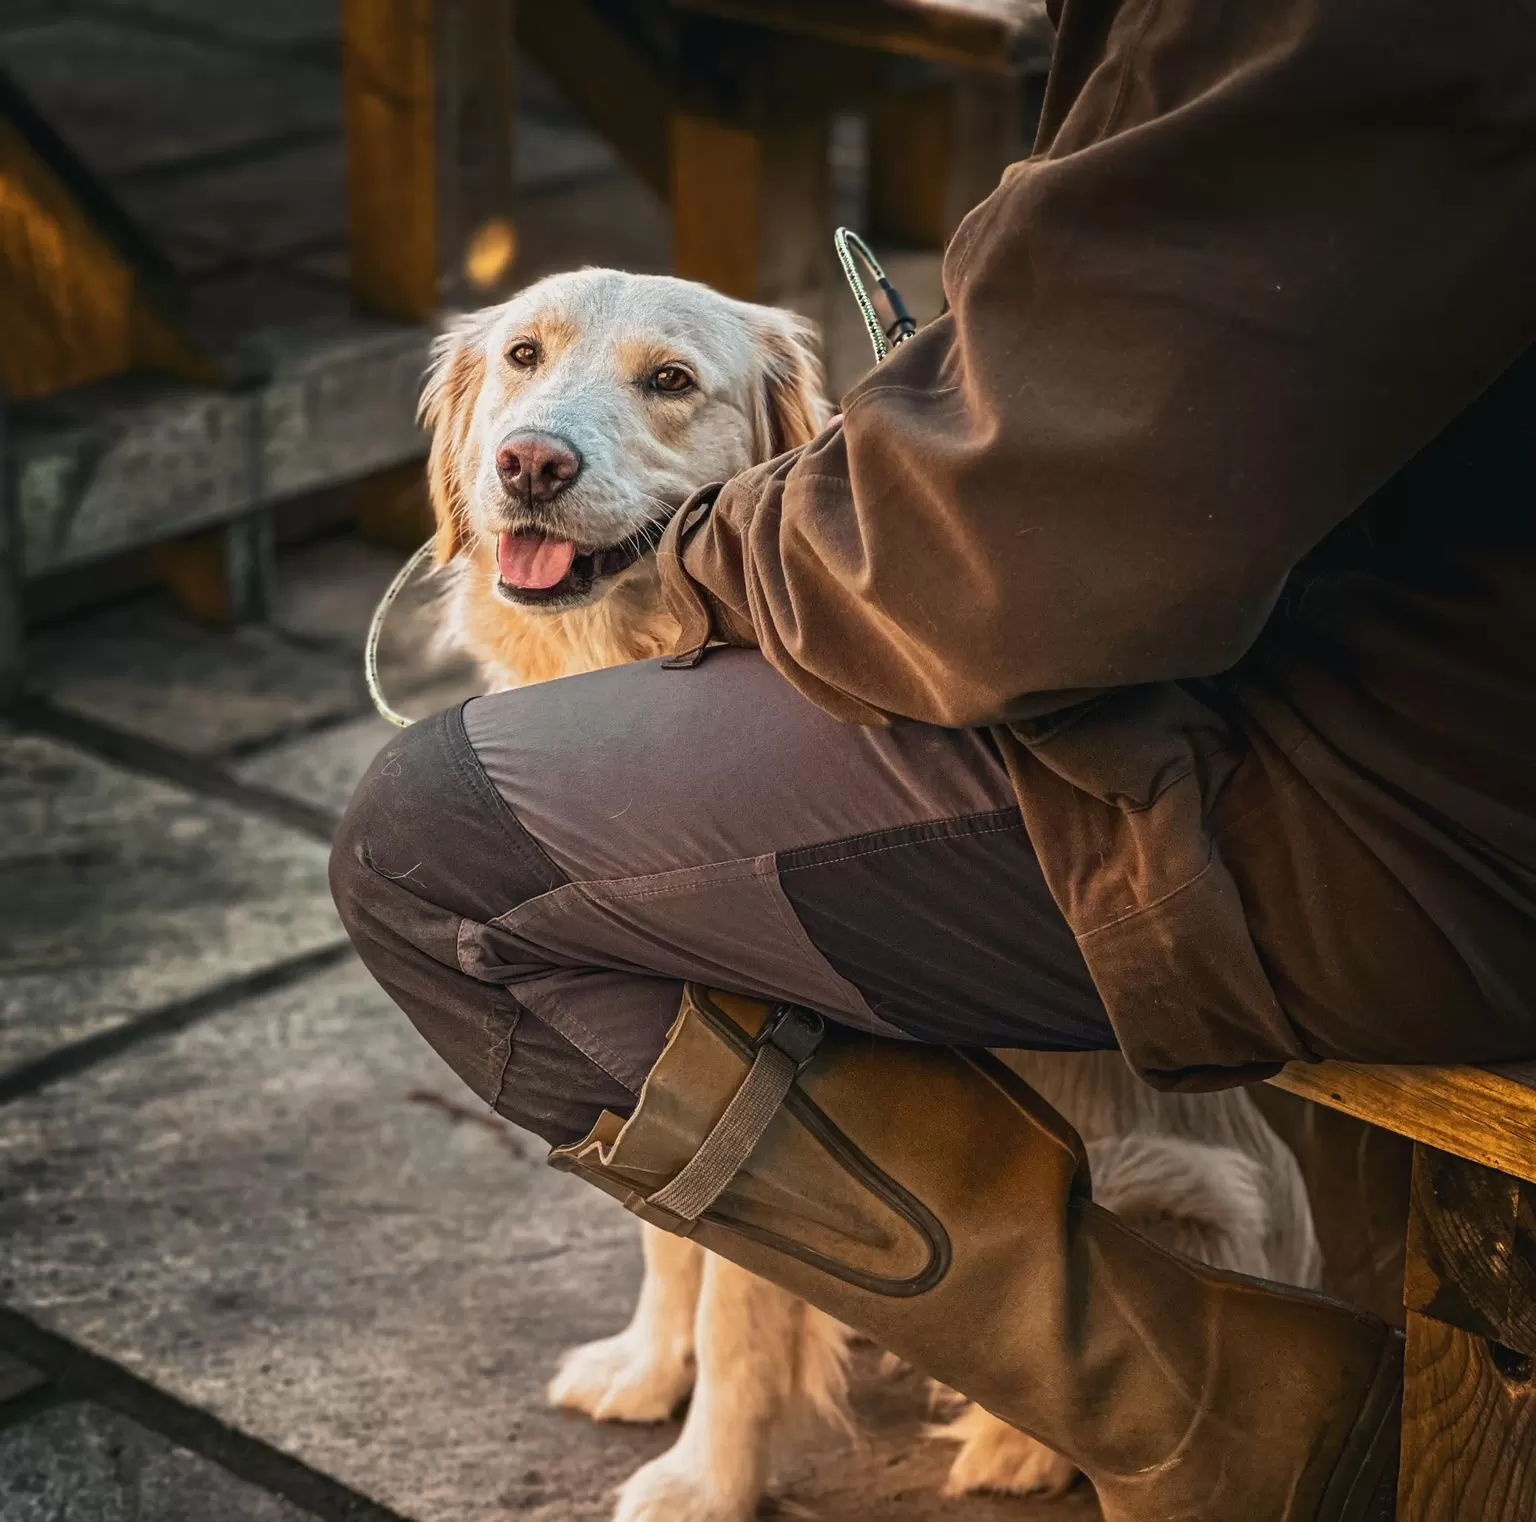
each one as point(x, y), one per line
point(376, 630)
point(848, 243)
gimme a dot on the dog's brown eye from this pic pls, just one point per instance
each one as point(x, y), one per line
point(524, 355)
point(672, 378)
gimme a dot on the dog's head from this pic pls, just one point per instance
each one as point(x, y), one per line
point(570, 423)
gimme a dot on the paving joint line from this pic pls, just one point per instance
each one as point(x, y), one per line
point(177, 1015)
point(151, 758)
point(46, 1396)
point(85, 1375)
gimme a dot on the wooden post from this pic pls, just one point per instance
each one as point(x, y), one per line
point(1469, 1416)
point(750, 206)
point(430, 99)
point(225, 576)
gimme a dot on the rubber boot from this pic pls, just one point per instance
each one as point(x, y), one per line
point(928, 1198)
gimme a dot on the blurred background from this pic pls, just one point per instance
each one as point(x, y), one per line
point(258, 1259)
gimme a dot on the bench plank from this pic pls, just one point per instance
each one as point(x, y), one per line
point(1486, 1115)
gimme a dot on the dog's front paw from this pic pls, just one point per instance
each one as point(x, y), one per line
point(622, 1379)
point(675, 1489)
point(996, 1457)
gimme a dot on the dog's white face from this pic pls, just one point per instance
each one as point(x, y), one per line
point(571, 422)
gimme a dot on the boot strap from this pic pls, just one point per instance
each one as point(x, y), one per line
point(787, 1043)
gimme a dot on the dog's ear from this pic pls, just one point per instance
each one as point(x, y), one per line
point(447, 408)
point(791, 406)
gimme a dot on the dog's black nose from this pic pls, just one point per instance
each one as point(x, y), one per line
point(536, 466)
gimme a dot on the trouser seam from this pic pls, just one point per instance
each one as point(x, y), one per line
point(513, 1020)
point(466, 761)
point(897, 845)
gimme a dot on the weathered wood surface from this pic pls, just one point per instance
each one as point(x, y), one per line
point(1486, 1115)
point(131, 462)
point(980, 34)
point(1469, 1415)
point(1472, 1249)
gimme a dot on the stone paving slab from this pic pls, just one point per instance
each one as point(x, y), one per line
point(323, 768)
point(119, 894)
point(143, 670)
point(289, 1217)
point(257, 1216)
point(327, 591)
point(82, 1463)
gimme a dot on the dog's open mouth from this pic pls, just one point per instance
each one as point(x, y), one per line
point(534, 570)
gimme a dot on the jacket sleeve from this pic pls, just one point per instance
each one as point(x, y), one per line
point(1262, 254)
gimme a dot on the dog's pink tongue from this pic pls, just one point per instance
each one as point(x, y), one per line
point(533, 562)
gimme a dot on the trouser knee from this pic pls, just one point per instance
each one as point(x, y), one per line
point(426, 853)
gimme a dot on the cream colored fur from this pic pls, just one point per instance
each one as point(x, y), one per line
point(1203, 1174)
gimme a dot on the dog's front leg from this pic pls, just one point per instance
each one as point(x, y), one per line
point(643, 1373)
point(765, 1360)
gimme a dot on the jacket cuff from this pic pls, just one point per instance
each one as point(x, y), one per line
point(702, 618)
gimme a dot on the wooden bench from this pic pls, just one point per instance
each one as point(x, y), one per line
point(1469, 1415)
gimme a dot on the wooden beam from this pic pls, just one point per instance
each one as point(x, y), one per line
point(78, 299)
point(615, 87)
point(978, 34)
point(1486, 1115)
point(1469, 1409)
point(430, 94)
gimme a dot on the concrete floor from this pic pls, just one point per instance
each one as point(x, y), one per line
point(259, 1260)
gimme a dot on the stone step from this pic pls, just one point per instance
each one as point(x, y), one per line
point(136, 460)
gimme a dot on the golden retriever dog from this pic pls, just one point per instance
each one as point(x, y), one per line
point(649, 386)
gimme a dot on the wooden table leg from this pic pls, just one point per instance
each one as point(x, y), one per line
point(938, 144)
point(1469, 1417)
point(750, 208)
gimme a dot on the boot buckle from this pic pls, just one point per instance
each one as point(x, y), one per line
point(795, 1031)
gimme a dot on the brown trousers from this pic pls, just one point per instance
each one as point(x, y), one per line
point(534, 876)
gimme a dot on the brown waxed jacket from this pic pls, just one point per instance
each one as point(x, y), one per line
point(1215, 492)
